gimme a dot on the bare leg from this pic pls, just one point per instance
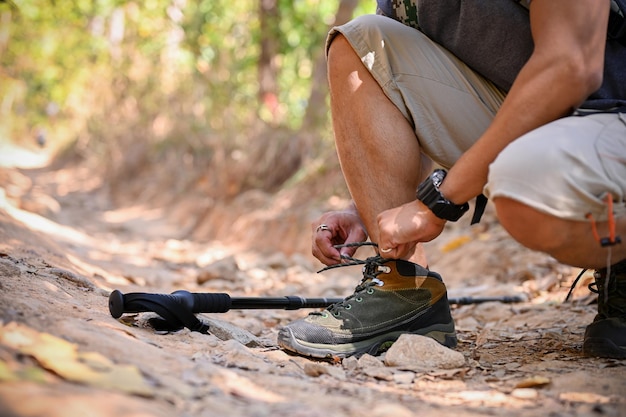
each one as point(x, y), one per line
point(570, 242)
point(379, 154)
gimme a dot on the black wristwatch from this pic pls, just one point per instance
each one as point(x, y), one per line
point(429, 194)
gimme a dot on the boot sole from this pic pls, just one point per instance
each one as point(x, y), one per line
point(442, 333)
point(601, 347)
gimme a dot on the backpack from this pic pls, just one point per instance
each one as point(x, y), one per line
point(499, 49)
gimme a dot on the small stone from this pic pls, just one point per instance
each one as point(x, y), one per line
point(233, 354)
point(224, 268)
point(525, 393)
point(350, 363)
point(316, 369)
point(226, 331)
point(413, 351)
point(403, 378)
point(377, 372)
point(368, 360)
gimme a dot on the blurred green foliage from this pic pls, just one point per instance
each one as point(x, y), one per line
point(100, 74)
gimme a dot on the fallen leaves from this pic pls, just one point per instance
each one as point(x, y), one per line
point(533, 382)
point(455, 243)
point(65, 360)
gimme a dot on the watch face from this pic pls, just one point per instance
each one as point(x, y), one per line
point(437, 177)
point(429, 194)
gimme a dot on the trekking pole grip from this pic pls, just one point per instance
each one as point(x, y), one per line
point(207, 302)
point(138, 302)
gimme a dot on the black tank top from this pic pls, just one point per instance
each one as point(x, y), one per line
point(493, 37)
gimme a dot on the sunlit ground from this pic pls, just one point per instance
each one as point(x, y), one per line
point(12, 156)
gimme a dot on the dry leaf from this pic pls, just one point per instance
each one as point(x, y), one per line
point(28, 373)
point(64, 359)
point(533, 382)
point(6, 374)
point(455, 243)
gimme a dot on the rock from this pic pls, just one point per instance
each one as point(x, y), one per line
point(367, 361)
point(234, 355)
point(412, 351)
point(350, 363)
point(316, 369)
point(224, 268)
point(377, 372)
point(525, 393)
point(226, 331)
point(72, 277)
point(403, 378)
point(8, 268)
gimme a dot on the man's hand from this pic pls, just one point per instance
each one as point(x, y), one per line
point(336, 228)
point(401, 228)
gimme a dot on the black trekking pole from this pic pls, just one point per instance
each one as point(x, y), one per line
point(178, 309)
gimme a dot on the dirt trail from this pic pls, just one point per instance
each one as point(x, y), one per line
point(63, 249)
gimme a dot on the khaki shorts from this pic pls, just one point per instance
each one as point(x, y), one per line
point(564, 168)
point(449, 105)
point(567, 167)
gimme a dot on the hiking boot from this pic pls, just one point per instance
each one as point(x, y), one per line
point(606, 336)
point(394, 297)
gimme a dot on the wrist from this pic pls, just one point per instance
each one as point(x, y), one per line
point(427, 214)
point(430, 195)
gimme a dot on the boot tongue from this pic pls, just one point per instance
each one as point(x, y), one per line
point(371, 273)
point(367, 282)
point(373, 268)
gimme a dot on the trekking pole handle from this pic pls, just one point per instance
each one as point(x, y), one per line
point(193, 302)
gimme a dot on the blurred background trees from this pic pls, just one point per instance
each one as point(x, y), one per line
point(237, 89)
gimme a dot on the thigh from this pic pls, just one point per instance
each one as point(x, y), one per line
point(448, 104)
point(566, 168)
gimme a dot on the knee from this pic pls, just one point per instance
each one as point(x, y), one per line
point(532, 228)
point(515, 218)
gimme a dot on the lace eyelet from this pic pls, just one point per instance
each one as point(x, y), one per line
point(325, 315)
point(336, 314)
point(370, 291)
point(348, 307)
point(358, 299)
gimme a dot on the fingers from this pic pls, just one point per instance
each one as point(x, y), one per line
point(336, 228)
point(401, 251)
point(322, 245)
point(356, 235)
point(323, 227)
point(387, 250)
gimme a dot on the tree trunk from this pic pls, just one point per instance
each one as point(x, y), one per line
point(268, 89)
point(316, 114)
point(317, 110)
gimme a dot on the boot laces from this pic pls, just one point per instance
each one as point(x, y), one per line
point(607, 287)
point(373, 266)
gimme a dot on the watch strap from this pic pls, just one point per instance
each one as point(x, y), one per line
point(429, 194)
